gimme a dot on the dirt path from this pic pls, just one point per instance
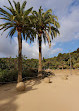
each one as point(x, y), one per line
point(60, 95)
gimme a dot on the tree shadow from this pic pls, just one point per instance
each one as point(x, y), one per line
point(9, 106)
point(7, 98)
point(8, 94)
point(32, 84)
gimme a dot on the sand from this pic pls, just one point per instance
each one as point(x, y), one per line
point(59, 95)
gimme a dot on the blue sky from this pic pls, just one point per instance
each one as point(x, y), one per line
point(68, 14)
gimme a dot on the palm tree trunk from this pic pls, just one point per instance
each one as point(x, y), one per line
point(19, 57)
point(40, 59)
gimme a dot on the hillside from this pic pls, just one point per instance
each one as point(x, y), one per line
point(59, 62)
point(63, 61)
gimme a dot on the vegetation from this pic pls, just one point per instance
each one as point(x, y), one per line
point(9, 66)
point(45, 24)
point(62, 61)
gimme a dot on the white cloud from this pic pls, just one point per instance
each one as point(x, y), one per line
point(69, 26)
point(60, 6)
point(7, 47)
point(32, 51)
point(10, 48)
point(77, 36)
point(69, 20)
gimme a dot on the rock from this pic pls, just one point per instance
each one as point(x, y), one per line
point(47, 80)
point(65, 77)
point(20, 86)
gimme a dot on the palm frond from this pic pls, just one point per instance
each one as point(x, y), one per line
point(28, 11)
point(5, 12)
point(10, 4)
point(40, 10)
point(18, 7)
point(15, 4)
point(35, 13)
point(11, 10)
point(55, 29)
point(4, 18)
point(23, 5)
point(47, 12)
point(6, 29)
point(6, 24)
point(48, 39)
point(12, 31)
point(57, 24)
point(53, 16)
point(23, 35)
point(44, 37)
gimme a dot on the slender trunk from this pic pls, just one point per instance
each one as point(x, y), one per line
point(19, 57)
point(40, 59)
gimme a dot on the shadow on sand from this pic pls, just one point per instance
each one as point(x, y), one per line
point(8, 94)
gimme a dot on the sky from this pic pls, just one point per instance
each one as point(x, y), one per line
point(68, 41)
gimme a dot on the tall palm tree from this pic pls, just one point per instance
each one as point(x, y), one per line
point(46, 26)
point(17, 19)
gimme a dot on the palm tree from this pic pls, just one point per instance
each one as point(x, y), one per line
point(45, 24)
point(17, 19)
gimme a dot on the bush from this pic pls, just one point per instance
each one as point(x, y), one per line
point(12, 75)
point(8, 75)
point(29, 73)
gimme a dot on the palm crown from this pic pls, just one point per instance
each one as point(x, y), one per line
point(46, 24)
point(16, 19)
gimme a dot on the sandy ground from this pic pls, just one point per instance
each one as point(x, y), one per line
point(59, 95)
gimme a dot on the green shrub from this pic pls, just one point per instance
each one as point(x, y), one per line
point(8, 75)
point(12, 75)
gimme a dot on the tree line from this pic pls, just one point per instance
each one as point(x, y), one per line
point(9, 66)
point(62, 61)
